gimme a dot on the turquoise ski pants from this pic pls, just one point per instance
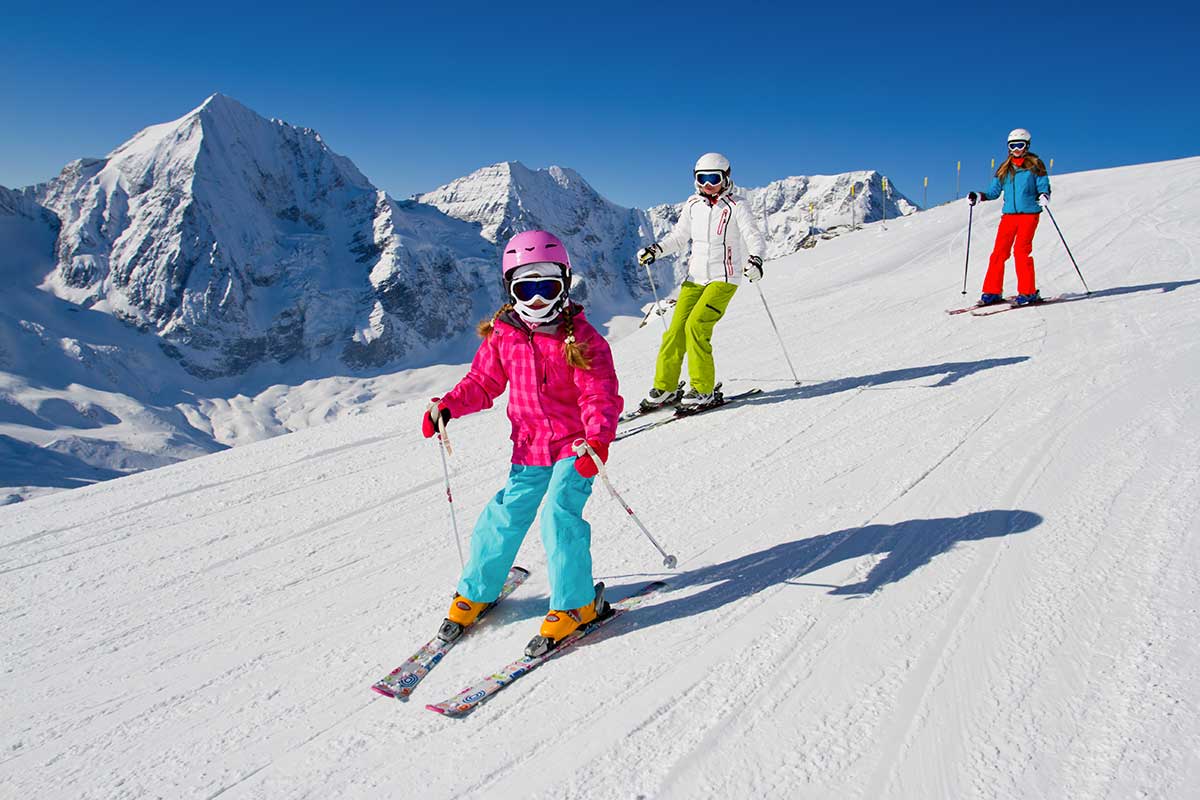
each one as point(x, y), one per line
point(566, 535)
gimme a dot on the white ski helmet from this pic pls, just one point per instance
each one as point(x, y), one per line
point(1020, 135)
point(713, 162)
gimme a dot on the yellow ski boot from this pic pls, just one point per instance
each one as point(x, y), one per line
point(462, 615)
point(559, 624)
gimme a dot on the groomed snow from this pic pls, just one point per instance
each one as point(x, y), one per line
point(959, 561)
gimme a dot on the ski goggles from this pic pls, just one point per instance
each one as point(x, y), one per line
point(709, 178)
point(1017, 145)
point(525, 289)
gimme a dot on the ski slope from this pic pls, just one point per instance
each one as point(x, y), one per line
point(959, 561)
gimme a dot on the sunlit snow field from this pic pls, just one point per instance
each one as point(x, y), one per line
point(959, 561)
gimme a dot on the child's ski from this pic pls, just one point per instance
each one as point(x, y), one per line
point(401, 681)
point(465, 701)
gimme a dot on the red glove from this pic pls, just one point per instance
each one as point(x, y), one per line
point(429, 425)
point(584, 464)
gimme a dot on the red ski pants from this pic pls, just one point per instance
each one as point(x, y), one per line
point(1018, 228)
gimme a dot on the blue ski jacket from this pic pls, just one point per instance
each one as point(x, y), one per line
point(1021, 189)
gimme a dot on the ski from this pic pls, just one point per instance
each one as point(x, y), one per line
point(469, 698)
point(641, 412)
point(683, 414)
point(400, 682)
point(972, 307)
point(1010, 304)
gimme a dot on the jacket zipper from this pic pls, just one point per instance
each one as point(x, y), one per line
point(726, 254)
point(541, 363)
point(708, 235)
point(528, 335)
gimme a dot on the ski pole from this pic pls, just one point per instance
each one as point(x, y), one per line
point(767, 308)
point(1064, 241)
point(444, 448)
point(581, 447)
point(658, 309)
point(761, 296)
point(970, 217)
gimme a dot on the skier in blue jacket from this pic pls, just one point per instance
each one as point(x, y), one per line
point(1023, 181)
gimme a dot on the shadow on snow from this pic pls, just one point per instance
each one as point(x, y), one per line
point(907, 546)
point(26, 464)
point(1162, 288)
point(951, 372)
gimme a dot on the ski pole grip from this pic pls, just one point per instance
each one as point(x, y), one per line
point(441, 424)
point(581, 447)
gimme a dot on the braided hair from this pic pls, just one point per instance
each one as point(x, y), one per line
point(486, 326)
point(573, 351)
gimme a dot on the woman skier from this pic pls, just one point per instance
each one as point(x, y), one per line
point(726, 244)
point(562, 388)
point(1023, 180)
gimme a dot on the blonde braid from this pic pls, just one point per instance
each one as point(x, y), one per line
point(574, 352)
point(485, 327)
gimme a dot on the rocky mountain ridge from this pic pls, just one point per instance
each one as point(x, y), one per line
point(224, 277)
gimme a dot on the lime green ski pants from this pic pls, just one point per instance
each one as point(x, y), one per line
point(696, 312)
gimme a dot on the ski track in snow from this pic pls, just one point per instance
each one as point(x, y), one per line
point(959, 561)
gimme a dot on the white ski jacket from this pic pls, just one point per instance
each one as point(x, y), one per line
point(723, 236)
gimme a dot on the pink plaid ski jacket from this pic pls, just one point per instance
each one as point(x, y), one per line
point(550, 403)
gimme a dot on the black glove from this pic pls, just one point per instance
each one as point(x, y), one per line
point(647, 254)
point(974, 197)
point(753, 269)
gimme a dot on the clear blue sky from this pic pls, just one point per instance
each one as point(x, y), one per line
point(420, 93)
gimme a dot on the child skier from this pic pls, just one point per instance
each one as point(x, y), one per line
point(726, 244)
point(1026, 187)
point(562, 388)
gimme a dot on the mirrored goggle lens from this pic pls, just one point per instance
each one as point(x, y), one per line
point(529, 288)
point(710, 178)
point(1017, 145)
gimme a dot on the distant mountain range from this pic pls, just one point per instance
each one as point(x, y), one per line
point(793, 210)
point(223, 254)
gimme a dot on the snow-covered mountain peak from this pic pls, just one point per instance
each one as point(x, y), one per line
point(220, 135)
point(225, 112)
point(509, 197)
point(240, 240)
point(219, 102)
point(602, 237)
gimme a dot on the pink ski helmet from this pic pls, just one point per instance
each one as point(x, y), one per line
point(531, 247)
